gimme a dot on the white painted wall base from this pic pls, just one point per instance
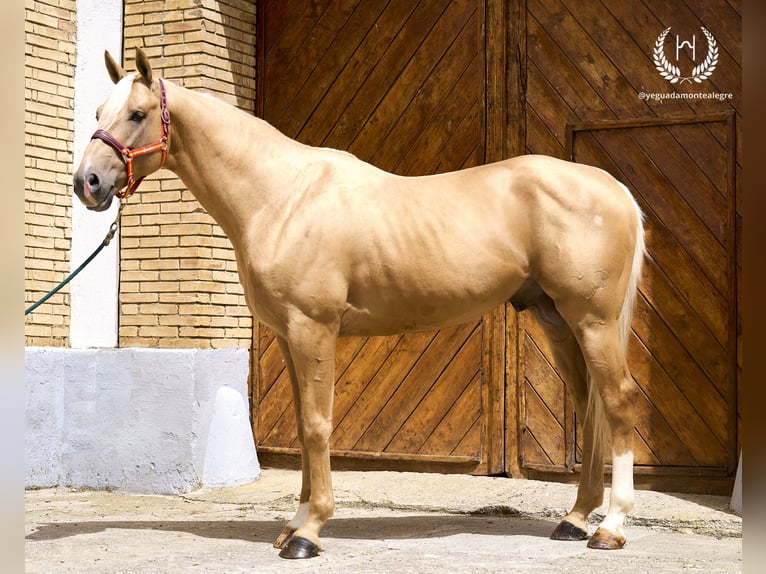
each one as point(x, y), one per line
point(140, 420)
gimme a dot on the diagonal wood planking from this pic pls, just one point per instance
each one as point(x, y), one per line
point(399, 84)
point(587, 62)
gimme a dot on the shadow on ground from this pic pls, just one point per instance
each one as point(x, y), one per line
point(361, 528)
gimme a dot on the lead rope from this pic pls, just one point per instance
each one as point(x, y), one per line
point(109, 236)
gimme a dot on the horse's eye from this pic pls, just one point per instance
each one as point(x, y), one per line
point(137, 116)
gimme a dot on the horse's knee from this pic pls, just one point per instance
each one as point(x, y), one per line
point(316, 434)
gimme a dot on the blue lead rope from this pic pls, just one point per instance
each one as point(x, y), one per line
point(73, 274)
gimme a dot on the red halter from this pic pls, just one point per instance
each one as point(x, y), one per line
point(128, 154)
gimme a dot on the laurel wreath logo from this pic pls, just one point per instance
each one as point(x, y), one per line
point(672, 73)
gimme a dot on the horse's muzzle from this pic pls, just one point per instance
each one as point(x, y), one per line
point(95, 193)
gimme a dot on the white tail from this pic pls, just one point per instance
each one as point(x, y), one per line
point(635, 274)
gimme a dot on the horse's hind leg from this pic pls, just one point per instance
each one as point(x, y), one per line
point(303, 504)
point(571, 365)
point(607, 366)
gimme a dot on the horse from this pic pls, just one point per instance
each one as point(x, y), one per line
point(328, 246)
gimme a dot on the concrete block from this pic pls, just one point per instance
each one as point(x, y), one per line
point(140, 420)
point(230, 457)
point(44, 406)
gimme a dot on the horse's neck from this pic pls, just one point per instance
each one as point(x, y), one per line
point(230, 161)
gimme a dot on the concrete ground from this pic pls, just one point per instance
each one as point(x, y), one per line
point(384, 522)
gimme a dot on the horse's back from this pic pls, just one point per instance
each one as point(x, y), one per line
point(393, 253)
point(431, 250)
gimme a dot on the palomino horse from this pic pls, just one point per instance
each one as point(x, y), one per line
point(328, 245)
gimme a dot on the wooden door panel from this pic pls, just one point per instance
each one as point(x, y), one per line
point(681, 350)
point(586, 64)
point(421, 87)
point(401, 85)
point(382, 385)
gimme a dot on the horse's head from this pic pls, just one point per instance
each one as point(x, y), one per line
point(131, 140)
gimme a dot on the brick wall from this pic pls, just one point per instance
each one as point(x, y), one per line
point(49, 95)
point(178, 279)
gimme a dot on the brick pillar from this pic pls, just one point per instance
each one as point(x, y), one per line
point(178, 281)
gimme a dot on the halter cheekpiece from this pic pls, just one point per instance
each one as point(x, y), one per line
point(129, 154)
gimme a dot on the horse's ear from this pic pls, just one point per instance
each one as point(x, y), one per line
point(143, 66)
point(116, 72)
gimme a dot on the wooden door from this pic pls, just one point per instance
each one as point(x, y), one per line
point(422, 87)
point(587, 65)
point(400, 84)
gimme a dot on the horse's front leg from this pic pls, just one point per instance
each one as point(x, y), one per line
point(312, 348)
point(303, 504)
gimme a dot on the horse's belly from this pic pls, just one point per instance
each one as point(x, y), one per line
point(391, 309)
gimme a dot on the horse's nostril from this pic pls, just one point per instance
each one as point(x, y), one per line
point(93, 181)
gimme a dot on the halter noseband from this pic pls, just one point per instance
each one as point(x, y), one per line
point(128, 154)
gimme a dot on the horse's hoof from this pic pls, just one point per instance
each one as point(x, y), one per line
point(297, 548)
point(604, 540)
point(284, 537)
point(568, 531)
